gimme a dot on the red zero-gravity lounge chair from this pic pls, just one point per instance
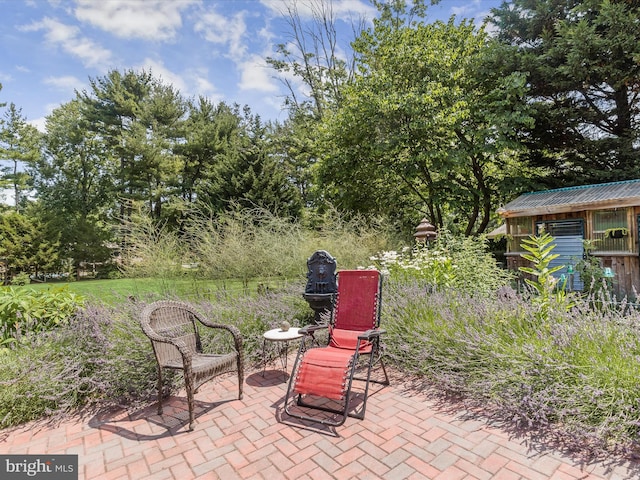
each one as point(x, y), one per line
point(322, 376)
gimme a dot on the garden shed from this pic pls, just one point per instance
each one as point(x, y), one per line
point(607, 215)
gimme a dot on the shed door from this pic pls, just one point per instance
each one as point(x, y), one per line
point(568, 237)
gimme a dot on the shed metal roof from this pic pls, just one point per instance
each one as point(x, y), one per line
point(571, 199)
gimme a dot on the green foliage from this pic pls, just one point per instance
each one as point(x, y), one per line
point(26, 243)
point(21, 279)
point(246, 244)
point(209, 131)
point(20, 148)
point(549, 294)
point(25, 312)
point(250, 174)
point(429, 121)
point(75, 185)
point(452, 261)
point(591, 272)
point(581, 64)
point(136, 120)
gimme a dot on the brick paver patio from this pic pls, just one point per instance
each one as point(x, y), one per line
point(404, 435)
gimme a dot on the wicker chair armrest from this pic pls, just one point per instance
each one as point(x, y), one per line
point(160, 338)
point(235, 332)
point(176, 342)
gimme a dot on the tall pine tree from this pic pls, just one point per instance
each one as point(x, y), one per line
point(582, 61)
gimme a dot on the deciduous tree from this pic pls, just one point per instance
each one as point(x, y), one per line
point(427, 127)
point(75, 186)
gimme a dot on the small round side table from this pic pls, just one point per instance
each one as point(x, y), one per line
point(281, 337)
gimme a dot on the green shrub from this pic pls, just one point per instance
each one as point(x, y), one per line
point(24, 312)
point(22, 278)
point(449, 262)
point(591, 271)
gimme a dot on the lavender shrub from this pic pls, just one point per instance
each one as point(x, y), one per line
point(99, 358)
point(256, 314)
point(572, 377)
point(102, 359)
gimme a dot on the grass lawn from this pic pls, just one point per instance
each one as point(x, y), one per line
point(113, 291)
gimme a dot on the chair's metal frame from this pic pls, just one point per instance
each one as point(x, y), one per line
point(178, 346)
point(310, 341)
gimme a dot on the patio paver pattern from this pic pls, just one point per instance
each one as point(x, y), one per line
point(404, 435)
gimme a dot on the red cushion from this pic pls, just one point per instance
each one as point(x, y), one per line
point(348, 339)
point(324, 372)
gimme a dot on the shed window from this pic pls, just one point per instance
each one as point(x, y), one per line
point(610, 230)
point(561, 228)
point(519, 229)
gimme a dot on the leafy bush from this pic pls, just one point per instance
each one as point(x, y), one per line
point(591, 271)
point(449, 262)
point(24, 312)
point(21, 278)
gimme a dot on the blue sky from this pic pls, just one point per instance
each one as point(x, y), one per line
point(214, 48)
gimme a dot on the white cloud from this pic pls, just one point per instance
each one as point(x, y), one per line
point(39, 123)
point(148, 19)
point(226, 31)
point(256, 75)
point(71, 41)
point(307, 9)
point(230, 34)
point(200, 84)
point(67, 82)
point(203, 85)
point(191, 83)
point(160, 71)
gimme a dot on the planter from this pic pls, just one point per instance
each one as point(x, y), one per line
point(616, 232)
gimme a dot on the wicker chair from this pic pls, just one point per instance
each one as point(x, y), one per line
point(172, 328)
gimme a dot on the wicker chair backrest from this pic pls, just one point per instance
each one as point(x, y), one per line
point(175, 323)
